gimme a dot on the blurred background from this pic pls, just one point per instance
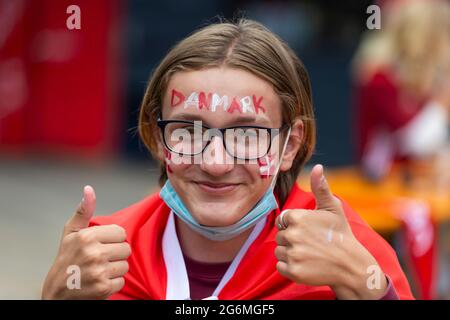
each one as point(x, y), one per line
point(69, 101)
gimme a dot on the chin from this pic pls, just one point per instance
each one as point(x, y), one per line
point(218, 216)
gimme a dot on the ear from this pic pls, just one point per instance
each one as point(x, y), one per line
point(293, 146)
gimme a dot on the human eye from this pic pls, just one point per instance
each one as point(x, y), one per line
point(250, 132)
point(181, 126)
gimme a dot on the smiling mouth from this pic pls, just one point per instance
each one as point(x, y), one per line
point(216, 187)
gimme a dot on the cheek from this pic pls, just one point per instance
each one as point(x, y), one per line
point(174, 163)
point(167, 161)
point(266, 166)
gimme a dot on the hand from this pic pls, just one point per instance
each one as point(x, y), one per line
point(100, 253)
point(318, 248)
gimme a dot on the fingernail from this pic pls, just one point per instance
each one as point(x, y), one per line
point(82, 197)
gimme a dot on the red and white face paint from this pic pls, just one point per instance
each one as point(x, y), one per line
point(212, 102)
point(267, 166)
point(167, 160)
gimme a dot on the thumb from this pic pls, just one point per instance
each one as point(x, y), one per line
point(84, 212)
point(321, 190)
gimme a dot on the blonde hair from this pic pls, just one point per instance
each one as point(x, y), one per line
point(415, 40)
point(247, 45)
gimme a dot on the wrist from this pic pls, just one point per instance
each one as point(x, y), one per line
point(360, 278)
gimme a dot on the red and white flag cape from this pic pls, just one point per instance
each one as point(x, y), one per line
point(253, 274)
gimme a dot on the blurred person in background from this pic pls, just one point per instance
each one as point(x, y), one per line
point(221, 229)
point(401, 79)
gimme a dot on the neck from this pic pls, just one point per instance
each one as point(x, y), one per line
point(199, 248)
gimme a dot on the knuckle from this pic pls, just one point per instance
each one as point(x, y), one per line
point(120, 231)
point(288, 236)
point(297, 217)
point(281, 267)
point(294, 269)
point(126, 267)
point(279, 238)
point(278, 252)
point(291, 236)
point(79, 211)
point(323, 189)
point(121, 281)
point(98, 273)
point(291, 217)
point(86, 236)
point(93, 254)
point(303, 216)
point(103, 288)
point(127, 248)
point(120, 267)
point(66, 241)
point(295, 253)
point(290, 253)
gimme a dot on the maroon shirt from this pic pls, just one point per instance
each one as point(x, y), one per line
point(204, 277)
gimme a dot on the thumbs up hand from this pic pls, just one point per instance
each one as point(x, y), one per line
point(317, 247)
point(99, 253)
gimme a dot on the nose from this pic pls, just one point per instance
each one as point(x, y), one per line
point(216, 161)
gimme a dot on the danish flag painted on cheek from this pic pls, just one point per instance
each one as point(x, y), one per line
point(168, 157)
point(266, 166)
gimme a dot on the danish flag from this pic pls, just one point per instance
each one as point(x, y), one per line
point(266, 166)
point(168, 157)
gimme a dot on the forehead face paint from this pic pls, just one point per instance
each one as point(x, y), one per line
point(211, 101)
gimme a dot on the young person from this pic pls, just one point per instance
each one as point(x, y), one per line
point(230, 221)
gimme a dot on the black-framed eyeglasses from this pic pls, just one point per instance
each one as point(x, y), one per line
point(190, 138)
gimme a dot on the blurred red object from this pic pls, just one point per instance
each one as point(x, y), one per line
point(60, 88)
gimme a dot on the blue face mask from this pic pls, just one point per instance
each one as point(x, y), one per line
point(264, 206)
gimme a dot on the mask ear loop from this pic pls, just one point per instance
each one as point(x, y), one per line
point(274, 180)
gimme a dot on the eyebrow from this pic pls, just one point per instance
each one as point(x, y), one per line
point(239, 120)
